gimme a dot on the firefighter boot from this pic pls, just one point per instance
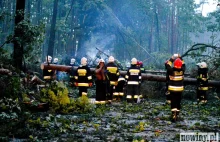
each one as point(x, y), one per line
point(174, 116)
point(177, 115)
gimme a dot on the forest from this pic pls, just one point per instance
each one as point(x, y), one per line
point(152, 31)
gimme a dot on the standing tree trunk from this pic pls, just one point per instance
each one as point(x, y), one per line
point(28, 9)
point(1, 5)
point(18, 46)
point(157, 28)
point(172, 27)
point(39, 11)
point(52, 29)
point(150, 39)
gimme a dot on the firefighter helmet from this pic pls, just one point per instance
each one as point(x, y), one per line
point(48, 59)
point(133, 61)
point(111, 59)
point(178, 63)
point(202, 65)
point(101, 61)
point(72, 61)
point(140, 63)
point(84, 61)
point(55, 60)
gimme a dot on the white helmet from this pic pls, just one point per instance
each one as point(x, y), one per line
point(101, 61)
point(48, 59)
point(202, 65)
point(111, 59)
point(72, 61)
point(133, 61)
point(55, 60)
point(84, 61)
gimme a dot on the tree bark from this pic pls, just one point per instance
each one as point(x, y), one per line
point(172, 27)
point(28, 10)
point(18, 47)
point(39, 11)
point(52, 29)
point(148, 77)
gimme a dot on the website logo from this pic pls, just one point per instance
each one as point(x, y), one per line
point(199, 137)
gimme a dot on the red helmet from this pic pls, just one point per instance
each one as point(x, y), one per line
point(178, 63)
point(139, 63)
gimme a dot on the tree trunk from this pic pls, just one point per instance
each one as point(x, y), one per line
point(18, 46)
point(28, 9)
point(39, 10)
point(150, 39)
point(147, 77)
point(52, 29)
point(172, 27)
point(1, 5)
point(157, 37)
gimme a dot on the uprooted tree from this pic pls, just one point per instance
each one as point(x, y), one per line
point(205, 52)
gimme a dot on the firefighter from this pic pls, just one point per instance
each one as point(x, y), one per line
point(202, 82)
point(57, 73)
point(55, 61)
point(72, 62)
point(48, 75)
point(167, 92)
point(141, 66)
point(133, 78)
point(83, 77)
point(72, 72)
point(113, 74)
point(101, 82)
point(119, 89)
point(175, 86)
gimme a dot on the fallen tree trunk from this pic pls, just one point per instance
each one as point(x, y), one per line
point(5, 72)
point(145, 76)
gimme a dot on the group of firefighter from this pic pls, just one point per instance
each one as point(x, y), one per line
point(110, 85)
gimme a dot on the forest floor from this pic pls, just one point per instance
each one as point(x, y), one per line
point(146, 121)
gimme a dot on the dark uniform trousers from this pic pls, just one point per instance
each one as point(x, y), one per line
point(119, 89)
point(132, 93)
point(175, 100)
point(101, 91)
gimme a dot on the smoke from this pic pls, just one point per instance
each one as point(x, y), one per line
point(102, 41)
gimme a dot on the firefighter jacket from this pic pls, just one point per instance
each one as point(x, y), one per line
point(83, 77)
point(113, 73)
point(176, 77)
point(72, 74)
point(48, 74)
point(202, 79)
point(133, 75)
point(142, 69)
